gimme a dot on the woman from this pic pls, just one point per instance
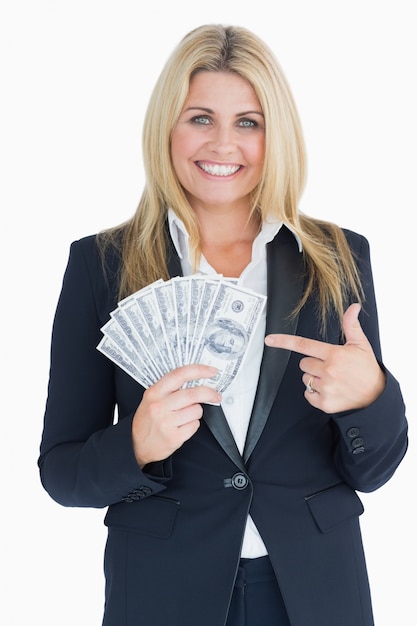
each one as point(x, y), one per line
point(238, 508)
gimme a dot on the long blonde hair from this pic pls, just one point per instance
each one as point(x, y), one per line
point(142, 240)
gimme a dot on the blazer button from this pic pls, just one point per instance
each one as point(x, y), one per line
point(138, 494)
point(353, 432)
point(239, 481)
point(357, 443)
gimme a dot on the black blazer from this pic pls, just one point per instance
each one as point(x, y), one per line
point(175, 529)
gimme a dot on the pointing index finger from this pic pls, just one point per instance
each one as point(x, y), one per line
point(295, 343)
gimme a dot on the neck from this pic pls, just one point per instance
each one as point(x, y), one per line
point(227, 243)
point(228, 229)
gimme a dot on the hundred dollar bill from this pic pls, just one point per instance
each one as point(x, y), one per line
point(148, 307)
point(114, 353)
point(130, 308)
point(114, 330)
point(207, 297)
point(164, 297)
point(229, 327)
point(195, 291)
point(180, 286)
point(202, 289)
point(136, 340)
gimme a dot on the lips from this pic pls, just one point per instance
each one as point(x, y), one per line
point(215, 169)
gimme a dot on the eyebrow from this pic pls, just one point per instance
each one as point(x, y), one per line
point(212, 112)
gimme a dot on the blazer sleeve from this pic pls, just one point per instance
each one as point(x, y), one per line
point(86, 458)
point(371, 442)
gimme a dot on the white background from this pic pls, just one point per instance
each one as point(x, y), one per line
point(75, 80)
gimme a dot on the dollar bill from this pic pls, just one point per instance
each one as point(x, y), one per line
point(207, 297)
point(228, 329)
point(193, 319)
point(151, 315)
point(164, 300)
point(181, 292)
point(115, 354)
point(130, 308)
point(135, 341)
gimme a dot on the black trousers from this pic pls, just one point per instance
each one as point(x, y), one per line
point(256, 599)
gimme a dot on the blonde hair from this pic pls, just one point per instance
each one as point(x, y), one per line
point(216, 48)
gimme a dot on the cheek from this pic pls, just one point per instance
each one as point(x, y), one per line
point(178, 154)
point(183, 144)
point(257, 152)
point(175, 148)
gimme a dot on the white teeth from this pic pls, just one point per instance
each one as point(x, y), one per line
point(218, 170)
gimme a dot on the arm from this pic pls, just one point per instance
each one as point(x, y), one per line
point(350, 383)
point(86, 459)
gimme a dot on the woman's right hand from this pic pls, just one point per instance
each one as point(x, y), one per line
point(169, 415)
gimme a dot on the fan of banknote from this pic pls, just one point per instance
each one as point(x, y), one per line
point(191, 319)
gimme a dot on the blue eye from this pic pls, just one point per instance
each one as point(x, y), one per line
point(201, 119)
point(247, 123)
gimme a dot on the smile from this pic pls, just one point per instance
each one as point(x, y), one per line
point(218, 170)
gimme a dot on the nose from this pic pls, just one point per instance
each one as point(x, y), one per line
point(222, 140)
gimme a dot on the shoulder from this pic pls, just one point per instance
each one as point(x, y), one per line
point(327, 233)
point(354, 238)
point(358, 244)
point(96, 260)
point(99, 250)
point(86, 246)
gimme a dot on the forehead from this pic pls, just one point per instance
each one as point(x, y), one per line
point(221, 87)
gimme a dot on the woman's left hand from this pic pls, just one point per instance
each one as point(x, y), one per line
point(337, 377)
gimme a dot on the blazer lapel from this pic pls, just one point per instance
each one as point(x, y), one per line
point(285, 285)
point(174, 263)
point(217, 423)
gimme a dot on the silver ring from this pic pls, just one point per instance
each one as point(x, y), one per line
point(309, 385)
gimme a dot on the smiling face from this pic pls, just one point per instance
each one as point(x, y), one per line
point(218, 143)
